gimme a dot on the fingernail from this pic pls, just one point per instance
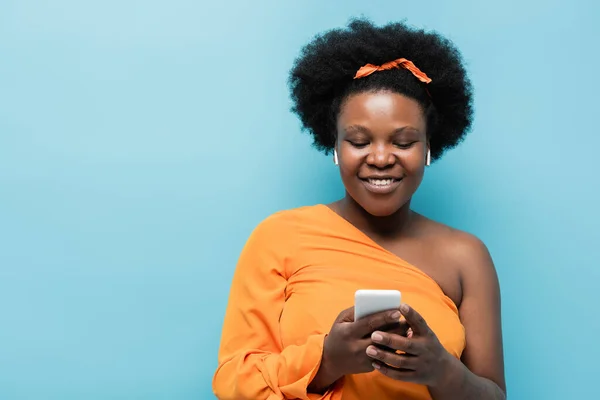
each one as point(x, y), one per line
point(376, 366)
point(395, 315)
point(376, 337)
point(404, 308)
point(371, 351)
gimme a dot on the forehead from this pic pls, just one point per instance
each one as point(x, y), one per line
point(381, 110)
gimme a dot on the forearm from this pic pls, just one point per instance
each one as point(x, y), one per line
point(461, 384)
point(324, 378)
point(259, 374)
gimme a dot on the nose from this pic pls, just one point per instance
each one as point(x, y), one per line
point(381, 156)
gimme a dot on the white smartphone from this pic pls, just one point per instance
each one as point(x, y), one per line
point(367, 302)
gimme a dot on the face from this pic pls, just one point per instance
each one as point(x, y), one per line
point(382, 148)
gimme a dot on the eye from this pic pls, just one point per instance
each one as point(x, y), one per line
point(404, 145)
point(358, 144)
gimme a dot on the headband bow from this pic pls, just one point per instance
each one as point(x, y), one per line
point(368, 69)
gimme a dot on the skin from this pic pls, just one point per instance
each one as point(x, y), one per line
point(385, 133)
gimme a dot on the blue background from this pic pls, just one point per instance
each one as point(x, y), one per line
point(141, 141)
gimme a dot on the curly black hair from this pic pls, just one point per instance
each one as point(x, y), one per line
point(323, 77)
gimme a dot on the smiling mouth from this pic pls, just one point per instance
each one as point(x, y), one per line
point(381, 182)
point(381, 185)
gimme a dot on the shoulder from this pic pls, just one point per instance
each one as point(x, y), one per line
point(282, 226)
point(463, 250)
point(273, 243)
point(287, 219)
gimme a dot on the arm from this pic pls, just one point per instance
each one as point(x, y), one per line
point(326, 375)
point(252, 361)
point(480, 375)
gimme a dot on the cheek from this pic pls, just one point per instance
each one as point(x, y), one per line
point(412, 162)
point(350, 162)
point(347, 173)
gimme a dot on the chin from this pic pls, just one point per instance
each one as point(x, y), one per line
point(380, 210)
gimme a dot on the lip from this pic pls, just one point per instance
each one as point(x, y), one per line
point(381, 189)
point(379, 177)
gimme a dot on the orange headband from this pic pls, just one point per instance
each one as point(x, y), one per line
point(399, 63)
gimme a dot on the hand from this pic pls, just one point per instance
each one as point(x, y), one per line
point(425, 361)
point(344, 349)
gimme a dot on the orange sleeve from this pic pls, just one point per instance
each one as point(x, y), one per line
point(252, 361)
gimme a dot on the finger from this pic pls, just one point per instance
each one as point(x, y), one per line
point(415, 320)
point(397, 342)
point(392, 359)
point(404, 375)
point(367, 325)
point(346, 316)
point(401, 328)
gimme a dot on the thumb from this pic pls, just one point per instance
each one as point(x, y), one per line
point(415, 320)
point(346, 316)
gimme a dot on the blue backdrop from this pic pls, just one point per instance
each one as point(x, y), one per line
point(141, 141)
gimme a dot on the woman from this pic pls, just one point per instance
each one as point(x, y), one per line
point(386, 101)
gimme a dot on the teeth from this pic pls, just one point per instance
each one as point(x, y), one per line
point(380, 182)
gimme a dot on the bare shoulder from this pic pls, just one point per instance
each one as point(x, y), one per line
point(480, 303)
point(461, 249)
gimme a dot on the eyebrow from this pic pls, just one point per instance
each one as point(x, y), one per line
point(363, 129)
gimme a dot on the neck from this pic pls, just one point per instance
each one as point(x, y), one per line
point(389, 226)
